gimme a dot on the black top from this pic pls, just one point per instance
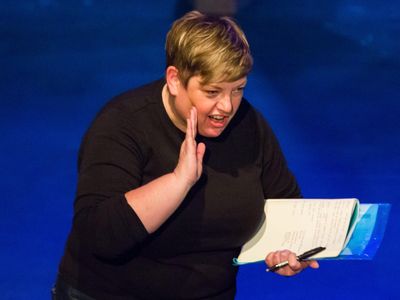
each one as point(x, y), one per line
point(110, 255)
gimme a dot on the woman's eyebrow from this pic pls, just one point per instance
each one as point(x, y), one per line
point(212, 86)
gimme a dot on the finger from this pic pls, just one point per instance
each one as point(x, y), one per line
point(283, 255)
point(269, 259)
point(189, 144)
point(275, 258)
point(278, 257)
point(286, 270)
point(189, 129)
point(313, 264)
point(194, 121)
point(201, 149)
point(286, 255)
point(294, 264)
point(193, 125)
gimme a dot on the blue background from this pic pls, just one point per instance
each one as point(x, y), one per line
point(326, 76)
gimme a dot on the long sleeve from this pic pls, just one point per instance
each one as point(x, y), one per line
point(110, 164)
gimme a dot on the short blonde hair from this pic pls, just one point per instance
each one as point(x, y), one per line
point(213, 47)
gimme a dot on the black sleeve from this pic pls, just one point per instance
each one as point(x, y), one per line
point(110, 164)
point(278, 180)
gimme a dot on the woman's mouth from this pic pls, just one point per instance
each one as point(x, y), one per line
point(218, 120)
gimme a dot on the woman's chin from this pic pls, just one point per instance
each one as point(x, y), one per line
point(211, 132)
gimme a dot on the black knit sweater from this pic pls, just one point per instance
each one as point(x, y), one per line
point(110, 255)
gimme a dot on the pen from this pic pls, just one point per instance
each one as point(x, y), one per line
point(301, 257)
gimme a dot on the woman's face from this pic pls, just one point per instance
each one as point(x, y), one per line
point(216, 104)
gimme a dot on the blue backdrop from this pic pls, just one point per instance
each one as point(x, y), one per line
point(326, 76)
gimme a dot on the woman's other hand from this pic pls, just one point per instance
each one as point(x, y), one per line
point(294, 267)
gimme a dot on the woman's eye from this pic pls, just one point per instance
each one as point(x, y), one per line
point(211, 93)
point(238, 90)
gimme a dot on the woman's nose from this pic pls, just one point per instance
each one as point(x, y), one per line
point(225, 104)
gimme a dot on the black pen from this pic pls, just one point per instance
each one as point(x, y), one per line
point(301, 257)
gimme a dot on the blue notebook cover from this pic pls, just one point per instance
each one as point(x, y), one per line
point(368, 233)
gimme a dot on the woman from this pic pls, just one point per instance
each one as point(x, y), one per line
point(173, 177)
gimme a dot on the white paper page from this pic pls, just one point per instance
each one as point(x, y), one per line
point(300, 225)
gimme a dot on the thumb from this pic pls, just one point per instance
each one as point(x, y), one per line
point(314, 264)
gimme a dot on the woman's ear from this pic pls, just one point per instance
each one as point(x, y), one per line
point(173, 81)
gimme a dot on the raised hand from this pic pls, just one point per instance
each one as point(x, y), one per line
point(190, 164)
